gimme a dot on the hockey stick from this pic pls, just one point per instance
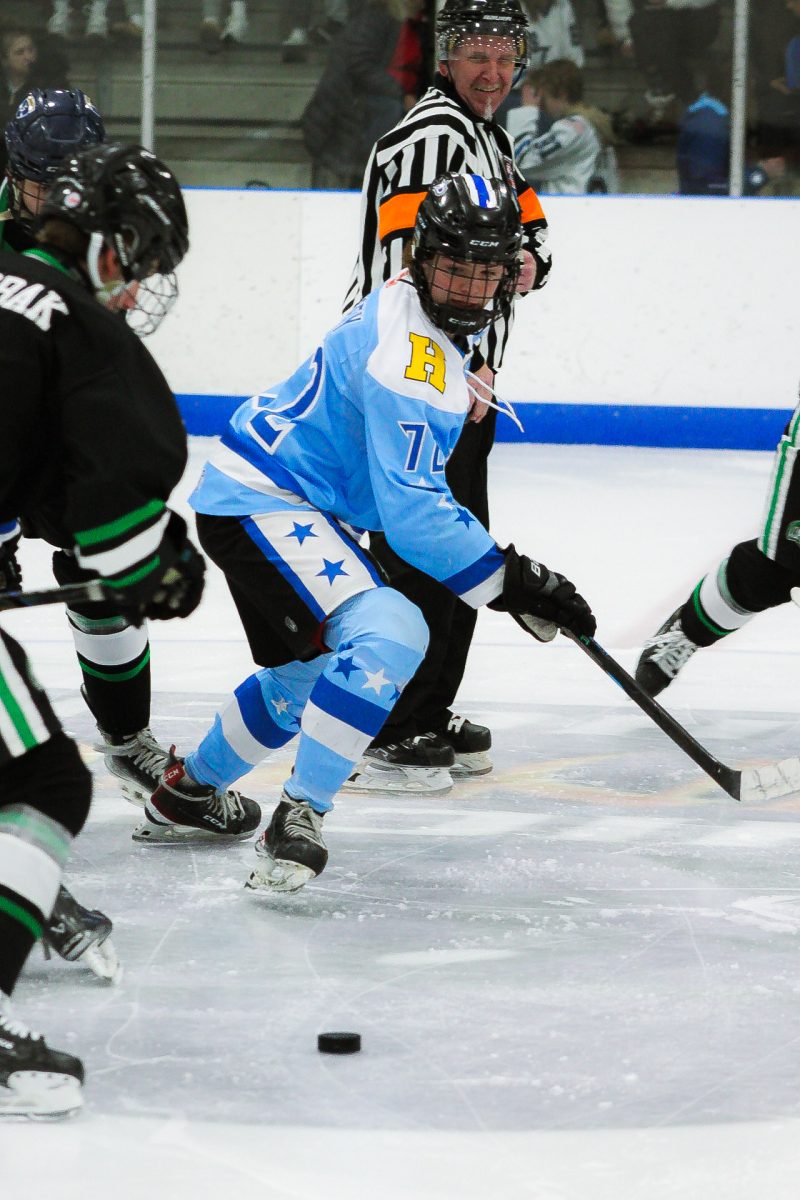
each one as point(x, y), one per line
point(753, 783)
point(94, 591)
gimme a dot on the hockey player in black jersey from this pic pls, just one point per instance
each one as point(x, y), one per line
point(758, 574)
point(114, 656)
point(91, 445)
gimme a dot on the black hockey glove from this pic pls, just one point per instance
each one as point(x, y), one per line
point(542, 601)
point(181, 586)
point(10, 570)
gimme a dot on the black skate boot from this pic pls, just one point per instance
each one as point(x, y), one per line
point(183, 810)
point(138, 761)
point(470, 744)
point(78, 933)
point(291, 849)
point(664, 655)
point(35, 1081)
point(418, 765)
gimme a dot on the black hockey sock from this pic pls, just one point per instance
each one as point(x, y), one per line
point(16, 940)
point(696, 623)
point(120, 703)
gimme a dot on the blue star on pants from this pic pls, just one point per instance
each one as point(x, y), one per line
point(346, 667)
point(332, 569)
point(301, 532)
point(465, 517)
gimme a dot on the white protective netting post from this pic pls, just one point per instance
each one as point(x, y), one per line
point(148, 73)
point(741, 21)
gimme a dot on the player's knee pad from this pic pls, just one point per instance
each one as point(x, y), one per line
point(380, 613)
point(756, 582)
point(52, 779)
point(380, 627)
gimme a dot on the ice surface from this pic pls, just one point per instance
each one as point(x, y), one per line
point(576, 977)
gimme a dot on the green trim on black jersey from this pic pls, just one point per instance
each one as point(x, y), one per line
point(113, 529)
point(48, 259)
point(134, 577)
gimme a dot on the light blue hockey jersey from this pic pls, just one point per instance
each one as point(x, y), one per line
point(362, 431)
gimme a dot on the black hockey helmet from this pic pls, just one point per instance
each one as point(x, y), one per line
point(126, 198)
point(48, 126)
point(468, 219)
point(460, 19)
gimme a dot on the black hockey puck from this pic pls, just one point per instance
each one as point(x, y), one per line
point(339, 1043)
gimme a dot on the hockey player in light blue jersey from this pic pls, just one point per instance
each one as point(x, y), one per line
point(356, 439)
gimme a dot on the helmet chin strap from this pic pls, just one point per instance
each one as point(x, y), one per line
point(104, 290)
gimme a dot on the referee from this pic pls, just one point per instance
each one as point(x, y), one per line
point(480, 45)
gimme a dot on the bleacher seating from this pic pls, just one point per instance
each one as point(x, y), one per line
point(232, 118)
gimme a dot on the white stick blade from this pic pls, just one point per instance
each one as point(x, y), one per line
point(770, 782)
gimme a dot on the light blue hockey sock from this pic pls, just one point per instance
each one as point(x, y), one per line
point(263, 714)
point(380, 639)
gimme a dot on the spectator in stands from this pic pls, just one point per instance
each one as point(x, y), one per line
point(26, 61)
point(361, 94)
point(704, 147)
point(776, 78)
point(18, 54)
point(97, 24)
point(669, 37)
point(561, 145)
point(213, 34)
point(553, 32)
point(302, 32)
point(618, 14)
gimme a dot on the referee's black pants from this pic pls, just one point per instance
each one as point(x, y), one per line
point(426, 701)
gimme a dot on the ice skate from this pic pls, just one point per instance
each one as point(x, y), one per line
point(138, 761)
point(291, 849)
point(183, 810)
point(82, 934)
point(470, 744)
point(415, 766)
point(664, 655)
point(35, 1081)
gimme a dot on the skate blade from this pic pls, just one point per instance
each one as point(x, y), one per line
point(101, 959)
point(40, 1096)
point(133, 792)
point(182, 835)
point(278, 875)
point(477, 763)
point(133, 795)
point(419, 781)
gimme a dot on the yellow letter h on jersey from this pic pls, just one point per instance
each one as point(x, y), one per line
point(427, 361)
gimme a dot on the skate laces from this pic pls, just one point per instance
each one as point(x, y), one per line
point(302, 819)
point(502, 406)
point(13, 1026)
point(227, 805)
point(670, 651)
point(149, 755)
point(456, 723)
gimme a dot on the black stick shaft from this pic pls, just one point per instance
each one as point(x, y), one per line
point(73, 593)
point(727, 778)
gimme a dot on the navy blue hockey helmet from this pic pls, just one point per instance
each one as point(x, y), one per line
point(467, 219)
point(47, 128)
point(460, 19)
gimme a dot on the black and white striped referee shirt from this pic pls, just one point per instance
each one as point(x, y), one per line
point(437, 135)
